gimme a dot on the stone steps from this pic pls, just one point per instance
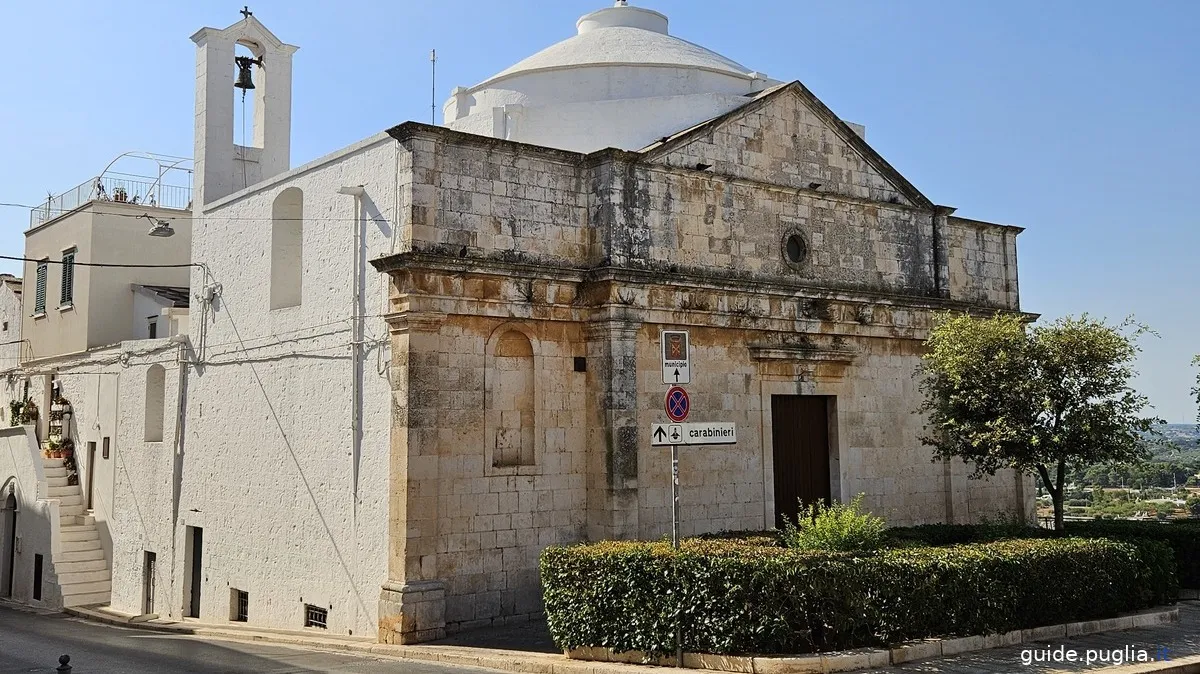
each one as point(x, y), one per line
point(77, 532)
point(64, 568)
point(81, 545)
point(80, 555)
point(87, 599)
point(76, 577)
point(85, 587)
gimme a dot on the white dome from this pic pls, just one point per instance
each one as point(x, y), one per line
point(623, 35)
point(622, 81)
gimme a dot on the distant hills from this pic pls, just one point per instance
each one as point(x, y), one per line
point(1182, 443)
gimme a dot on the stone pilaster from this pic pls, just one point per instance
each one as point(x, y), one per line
point(612, 489)
point(412, 603)
point(941, 250)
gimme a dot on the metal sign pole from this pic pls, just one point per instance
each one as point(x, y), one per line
point(675, 497)
point(675, 545)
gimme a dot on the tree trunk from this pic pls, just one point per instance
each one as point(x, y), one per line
point(1058, 513)
point(1055, 487)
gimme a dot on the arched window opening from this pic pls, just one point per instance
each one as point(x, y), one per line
point(156, 402)
point(287, 242)
point(511, 410)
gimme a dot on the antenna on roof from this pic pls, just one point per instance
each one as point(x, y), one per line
point(433, 87)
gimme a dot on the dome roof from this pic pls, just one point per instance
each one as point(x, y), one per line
point(623, 35)
point(622, 82)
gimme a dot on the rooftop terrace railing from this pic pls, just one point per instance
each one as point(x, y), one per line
point(113, 187)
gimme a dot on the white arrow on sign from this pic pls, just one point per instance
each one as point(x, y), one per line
point(701, 433)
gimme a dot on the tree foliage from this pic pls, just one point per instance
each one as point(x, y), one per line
point(999, 394)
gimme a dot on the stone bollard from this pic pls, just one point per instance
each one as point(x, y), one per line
point(63, 667)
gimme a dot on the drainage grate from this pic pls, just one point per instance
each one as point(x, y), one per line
point(315, 616)
point(241, 606)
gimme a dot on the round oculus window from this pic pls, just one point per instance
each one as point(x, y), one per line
point(795, 248)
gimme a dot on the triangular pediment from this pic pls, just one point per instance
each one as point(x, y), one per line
point(786, 136)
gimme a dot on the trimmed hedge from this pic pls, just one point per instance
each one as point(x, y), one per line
point(1183, 537)
point(741, 599)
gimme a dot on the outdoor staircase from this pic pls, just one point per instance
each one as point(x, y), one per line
point(83, 573)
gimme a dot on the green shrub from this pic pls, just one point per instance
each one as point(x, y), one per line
point(838, 527)
point(1182, 537)
point(737, 599)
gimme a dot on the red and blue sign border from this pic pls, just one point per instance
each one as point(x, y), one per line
point(677, 404)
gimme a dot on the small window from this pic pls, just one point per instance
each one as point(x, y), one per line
point(67, 295)
point(316, 616)
point(39, 297)
point(153, 327)
point(239, 605)
point(6, 326)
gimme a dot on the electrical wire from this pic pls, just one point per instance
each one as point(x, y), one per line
point(227, 218)
point(104, 264)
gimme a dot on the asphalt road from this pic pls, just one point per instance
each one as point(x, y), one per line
point(32, 642)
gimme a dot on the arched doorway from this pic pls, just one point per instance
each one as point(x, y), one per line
point(8, 545)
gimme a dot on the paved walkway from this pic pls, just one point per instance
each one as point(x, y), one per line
point(1181, 640)
point(32, 641)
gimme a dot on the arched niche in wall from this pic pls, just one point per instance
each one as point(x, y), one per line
point(511, 399)
point(287, 248)
point(156, 402)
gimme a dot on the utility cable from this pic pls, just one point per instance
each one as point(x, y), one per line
point(104, 264)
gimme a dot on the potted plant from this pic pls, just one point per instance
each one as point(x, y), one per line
point(67, 447)
point(54, 448)
point(29, 412)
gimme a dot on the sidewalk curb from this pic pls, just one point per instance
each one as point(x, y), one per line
point(546, 663)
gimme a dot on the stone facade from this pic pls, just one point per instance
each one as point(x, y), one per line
point(528, 291)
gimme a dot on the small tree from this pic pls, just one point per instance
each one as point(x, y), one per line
point(1193, 506)
point(999, 395)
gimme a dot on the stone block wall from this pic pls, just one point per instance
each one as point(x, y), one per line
point(477, 520)
point(788, 140)
point(983, 263)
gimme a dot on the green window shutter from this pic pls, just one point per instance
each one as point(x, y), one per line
point(67, 295)
point(39, 300)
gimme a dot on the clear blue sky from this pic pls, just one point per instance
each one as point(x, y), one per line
point(1074, 119)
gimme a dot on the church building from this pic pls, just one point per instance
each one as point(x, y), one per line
point(411, 365)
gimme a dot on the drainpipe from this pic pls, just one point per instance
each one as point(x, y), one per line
point(355, 341)
point(355, 371)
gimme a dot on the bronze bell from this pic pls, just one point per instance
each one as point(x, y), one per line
point(245, 79)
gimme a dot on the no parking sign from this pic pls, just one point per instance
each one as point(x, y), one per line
point(678, 404)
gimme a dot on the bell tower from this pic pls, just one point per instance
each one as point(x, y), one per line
point(221, 166)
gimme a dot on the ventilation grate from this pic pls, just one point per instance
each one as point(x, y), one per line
point(241, 606)
point(316, 616)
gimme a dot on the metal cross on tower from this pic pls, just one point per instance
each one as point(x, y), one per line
point(245, 12)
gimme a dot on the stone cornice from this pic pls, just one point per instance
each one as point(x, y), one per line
point(801, 354)
point(406, 322)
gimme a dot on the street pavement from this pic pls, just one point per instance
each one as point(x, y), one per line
point(32, 642)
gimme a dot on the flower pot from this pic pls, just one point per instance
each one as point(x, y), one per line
point(56, 454)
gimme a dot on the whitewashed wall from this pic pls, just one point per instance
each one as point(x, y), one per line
point(21, 475)
point(267, 460)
